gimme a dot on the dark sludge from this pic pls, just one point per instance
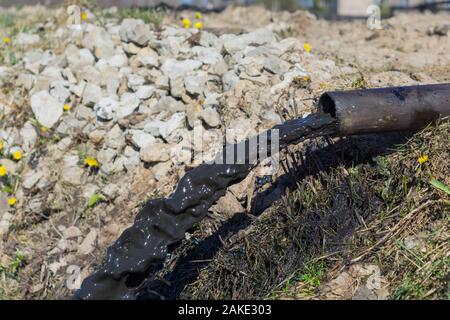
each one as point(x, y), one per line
point(163, 222)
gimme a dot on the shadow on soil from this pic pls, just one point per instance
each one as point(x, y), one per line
point(317, 158)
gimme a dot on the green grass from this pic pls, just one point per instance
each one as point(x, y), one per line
point(430, 281)
point(149, 16)
point(6, 21)
point(95, 199)
point(341, 214)
point(14, 266)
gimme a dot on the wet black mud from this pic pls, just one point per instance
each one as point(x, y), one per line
point(162, 222)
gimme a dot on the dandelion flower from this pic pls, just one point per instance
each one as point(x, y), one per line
point(6, 40)
point(84, 16)
point(67, 107)
point(91, 162)
point(307, 47)
point(423, 159)
point(186, 23)
point(3, 171)
point(198, 15)
point(12, 201)
point(17, 155)
point(198, 25)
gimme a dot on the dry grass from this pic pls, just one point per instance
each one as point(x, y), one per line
point(355, 202)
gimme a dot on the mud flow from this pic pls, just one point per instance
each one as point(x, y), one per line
point(162, 222)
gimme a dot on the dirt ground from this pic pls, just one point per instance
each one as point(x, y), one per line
point(347, 218)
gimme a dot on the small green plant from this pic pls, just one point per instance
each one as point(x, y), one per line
point(360, 83)
point(95, 199)
point(6, 21)
point(440, 186)
point(14, 265)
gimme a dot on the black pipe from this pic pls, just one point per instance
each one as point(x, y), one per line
point(387, 109)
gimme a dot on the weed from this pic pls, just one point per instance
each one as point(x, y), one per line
point(95, 199)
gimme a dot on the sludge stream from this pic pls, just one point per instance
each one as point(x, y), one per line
point(163, 222)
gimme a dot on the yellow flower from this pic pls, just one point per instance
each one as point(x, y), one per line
point(305, 78)
point(198, 15)
point(3, 171)
point(17, 155)
point(44, 129)
point(12, 201)
point(6, 40)
point(67, 107)
point(423, 159)
point(186, 23)
point(84, 16)
point(91, 162)
point(198, 25)
point(307, 47)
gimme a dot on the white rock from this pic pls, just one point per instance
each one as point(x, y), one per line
point(276, 65)
point(72, 175)
point(196, 83)
point(229, 79)
point(88, 244)
point(78, 88)
point(131, 158)
point(31, 178)
point(211, 117)
point(60, 90)
point(111, 191)
point(71, 232)
point(115, 166)
point(100, 42)
point(26, 80)
point(177, 89)
point(115, 138)
point(207, 55)
point(84, 113)
point(97, 136)
point(106, 155)
point(174, 68)
point(134, 81)
point(46, 108)
point(134, 30)
point(106, 108)
point(161, 170)
point(118, 60)
point(70, 160)
point(29, 136)
point(91, 95)
point(156, 152)
point(232, 43)
point(148, 57)
point(129, 102)
point(90, 74)
point(145, 92)
point(288, 77)
point(5, 221)
point(169, 105)
point(36, 60)
point(141, 139)
point(26, 39)
point(77, 58)
point(176, 121)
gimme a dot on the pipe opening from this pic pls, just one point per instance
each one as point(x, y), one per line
point(327, 105)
